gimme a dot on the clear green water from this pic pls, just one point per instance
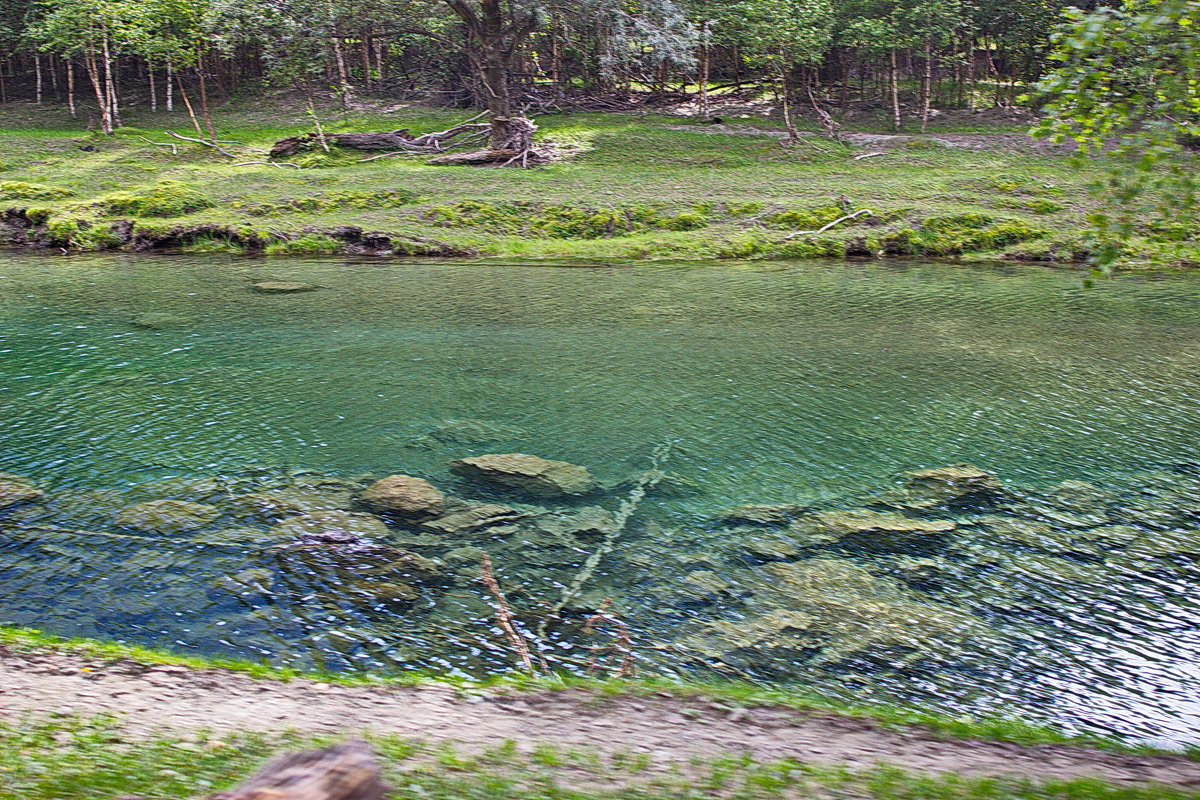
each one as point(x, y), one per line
point(799, 383)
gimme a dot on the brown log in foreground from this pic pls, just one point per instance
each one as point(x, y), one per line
point(344, 772)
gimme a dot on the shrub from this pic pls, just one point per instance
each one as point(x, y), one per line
point(80, 234)
point(687, 221)
point(17, 190)
point(805, 219)
point(163, 199)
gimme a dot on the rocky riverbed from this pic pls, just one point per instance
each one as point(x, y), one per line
point(948, 572)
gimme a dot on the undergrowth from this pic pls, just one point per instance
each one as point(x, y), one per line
point(54, 757)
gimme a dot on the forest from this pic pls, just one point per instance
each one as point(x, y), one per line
point(527, 56)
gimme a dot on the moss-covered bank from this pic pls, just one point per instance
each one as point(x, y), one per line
point(628, 187)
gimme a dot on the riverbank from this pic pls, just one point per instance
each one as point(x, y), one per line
point(193, 730)
point(626, 186)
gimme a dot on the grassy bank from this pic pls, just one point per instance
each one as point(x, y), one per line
point(52, 757)
point(630, 186)
point(729, 692)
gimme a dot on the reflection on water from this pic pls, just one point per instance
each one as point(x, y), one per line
point(807, 390)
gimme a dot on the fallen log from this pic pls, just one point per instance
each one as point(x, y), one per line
point(476, 157)
point(399, 139)
point(344, 772)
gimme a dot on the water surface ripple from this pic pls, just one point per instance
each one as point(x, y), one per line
point(125, 379)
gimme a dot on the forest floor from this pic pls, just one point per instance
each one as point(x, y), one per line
point(78, 725)
point(625, 185)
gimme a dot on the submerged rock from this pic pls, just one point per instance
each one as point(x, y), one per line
point(404, 496)
point(16, 490)
point(588, 522)
point(166, 516)
point(762, 514)
point(334, 527)
point(282, 287)
point(869, 527)
point(276, 504)
point(196, 490)
point(959, 484)
point(475, 431)
point(824, 610)
point(534, 475)
point(157, 321)
point(472, 519)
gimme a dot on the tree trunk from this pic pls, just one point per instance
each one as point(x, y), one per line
point(153, 90)
point(110, 88)
point(37, 69)
point(71, 87)
point(170, 86)
point(704, 66)
point(208, 123)
point(926, 83)
point(496, 41)
point(793, 135)
point(895, 91)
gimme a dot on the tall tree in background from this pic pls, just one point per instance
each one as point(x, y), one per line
point(781, 35)
point(1127, 89)
point(495, 30)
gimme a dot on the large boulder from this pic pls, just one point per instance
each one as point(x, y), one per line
point(404, 496)
point(166, 516)
point(533, 475)
point(16, 490)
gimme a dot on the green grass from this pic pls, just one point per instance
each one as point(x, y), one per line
point(54, 757)
point(634, 186)
point(730, 692)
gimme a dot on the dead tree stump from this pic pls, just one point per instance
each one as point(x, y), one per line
point(344, 772)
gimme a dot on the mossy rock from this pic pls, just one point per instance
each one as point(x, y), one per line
point(282, 287)
point(16, 490)
point(959, 484)
point(829, 610)
point(870, 528)
point(167, 516)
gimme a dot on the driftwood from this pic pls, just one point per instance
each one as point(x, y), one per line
point(344, 772)
point(399, 140)
point(861, 212)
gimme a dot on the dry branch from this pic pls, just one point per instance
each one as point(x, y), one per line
point(504, 617)
point(625, 510)
point(205, 142)
point(265, 164)
point(833, 224)
point(868, 155)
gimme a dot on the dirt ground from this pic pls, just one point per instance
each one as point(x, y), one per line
point(671, 730)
